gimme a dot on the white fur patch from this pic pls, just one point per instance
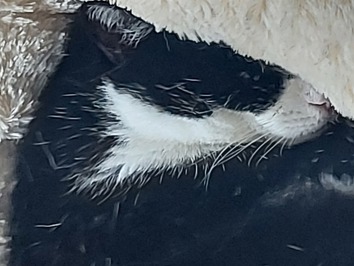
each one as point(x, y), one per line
point(156, 140)
point(153, 140)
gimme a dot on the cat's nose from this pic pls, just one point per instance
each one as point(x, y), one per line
point(315, 98)
point(325, 104)
point(318, 99)
point(326, 107)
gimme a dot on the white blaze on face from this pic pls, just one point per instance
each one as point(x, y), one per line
point(152, 139)
point(155, 139)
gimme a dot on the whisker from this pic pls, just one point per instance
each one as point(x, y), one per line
point(282, 147)
point(215, 163)
point(267, 152)
point(257, 150)
point(221, 154)
point(232, 152)
point(253, 142)
point(291, 142)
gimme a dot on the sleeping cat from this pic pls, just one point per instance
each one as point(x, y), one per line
point(171, 103)
point(284, 210)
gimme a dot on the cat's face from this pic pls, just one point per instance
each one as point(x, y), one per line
point(171, 103)
point(280, 108)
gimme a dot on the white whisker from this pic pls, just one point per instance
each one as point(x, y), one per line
point(257, 150)
point(267, 152)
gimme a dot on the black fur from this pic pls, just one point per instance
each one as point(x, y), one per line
point(265, 215)
point(191, 79)
point(188, 78)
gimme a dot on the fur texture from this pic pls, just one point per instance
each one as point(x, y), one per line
point(313, 39)
point(277, 210)
point(326, 61)
point(31, 46)
point(149, 140)
point(186, 108)
point(32, 36)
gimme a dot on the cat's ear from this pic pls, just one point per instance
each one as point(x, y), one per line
point(114, 30)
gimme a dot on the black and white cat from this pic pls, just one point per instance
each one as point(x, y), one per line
point(150, 107)
point(171, 103)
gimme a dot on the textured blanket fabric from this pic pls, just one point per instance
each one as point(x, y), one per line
point(32, 37)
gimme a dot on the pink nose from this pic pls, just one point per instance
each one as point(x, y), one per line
point(318, 99)
point(326, 106)
point(325, 103)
